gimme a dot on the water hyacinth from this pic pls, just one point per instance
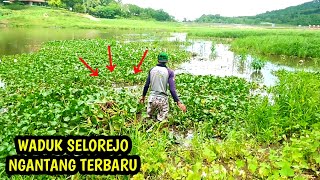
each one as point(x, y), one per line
point(51, 93)
point(2, 84)
point(3, 110)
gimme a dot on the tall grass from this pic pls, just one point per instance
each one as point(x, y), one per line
point(233, 32)
point(289, 45)
point(296, 107)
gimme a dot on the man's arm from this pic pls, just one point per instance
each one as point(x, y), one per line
point(173, 91)
point(173, 87)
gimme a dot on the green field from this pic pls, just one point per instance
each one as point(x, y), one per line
point(49, 17)
point(236, 135)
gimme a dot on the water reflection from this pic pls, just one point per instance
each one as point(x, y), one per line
point(201, 48)
point(241, 63)
point(227, 63)
point(257, 76)
point(26, 40)
point(180, 37)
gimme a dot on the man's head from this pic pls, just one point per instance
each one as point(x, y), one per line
point(163, 57)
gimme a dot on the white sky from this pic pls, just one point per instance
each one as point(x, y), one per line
point(194, 9)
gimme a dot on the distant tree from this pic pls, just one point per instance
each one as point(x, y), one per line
point(106, 2)
point(92, 3)
point(72, 3)
point(116, 8)
point(134, 10)
point(79, 8)
point(161, 15)
point(55, 3)
point(112, 9)
point(125, 11)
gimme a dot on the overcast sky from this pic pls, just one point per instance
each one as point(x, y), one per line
point(195, 8)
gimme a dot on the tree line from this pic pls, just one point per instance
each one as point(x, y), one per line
point(111, 9)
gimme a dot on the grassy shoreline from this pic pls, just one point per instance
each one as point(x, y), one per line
point(61, 18)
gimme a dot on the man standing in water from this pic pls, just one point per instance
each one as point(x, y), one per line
point(158, 78)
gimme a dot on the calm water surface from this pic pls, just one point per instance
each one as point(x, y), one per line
point(25, 40)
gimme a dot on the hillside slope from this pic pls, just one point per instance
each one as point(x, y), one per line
point(52, 17)
point(304, 14)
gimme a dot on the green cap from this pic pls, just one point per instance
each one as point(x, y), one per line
point(163, 57)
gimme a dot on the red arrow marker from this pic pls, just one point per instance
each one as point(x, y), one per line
point(137, 68)
point(94, 73)
point(110, 67)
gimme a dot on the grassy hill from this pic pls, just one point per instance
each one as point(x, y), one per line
point(304, 14)
point(34, 16)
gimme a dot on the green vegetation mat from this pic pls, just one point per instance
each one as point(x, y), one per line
point(235, 134)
